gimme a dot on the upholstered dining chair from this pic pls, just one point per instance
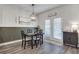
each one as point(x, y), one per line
point(39, 37)
point(24, 39)
point(38, 40)
point(27, 39)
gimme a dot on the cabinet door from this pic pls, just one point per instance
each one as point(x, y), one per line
point(74, 38)
point(66, 38)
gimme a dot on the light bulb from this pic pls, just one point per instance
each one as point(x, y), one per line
point(33, 17)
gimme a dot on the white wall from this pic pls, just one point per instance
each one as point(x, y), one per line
point(8, 14)
point(68, 13)
point(0, 14)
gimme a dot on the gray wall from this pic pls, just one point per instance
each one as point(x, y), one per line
point(11, 33)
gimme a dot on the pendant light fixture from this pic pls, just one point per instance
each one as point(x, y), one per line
point(33, 16)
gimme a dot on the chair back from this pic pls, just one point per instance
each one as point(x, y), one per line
point(29, 30)
point(22, 34)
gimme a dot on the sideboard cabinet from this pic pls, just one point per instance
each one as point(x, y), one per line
point(70, 38)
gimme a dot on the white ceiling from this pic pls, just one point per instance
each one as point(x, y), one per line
point(38, 8)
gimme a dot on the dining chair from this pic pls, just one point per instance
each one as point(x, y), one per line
point(24, 39)
point(39, 39)
point(29, 30)
point(32, 40)
point(41, 33)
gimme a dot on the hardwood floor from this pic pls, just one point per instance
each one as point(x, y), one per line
point(46, 48)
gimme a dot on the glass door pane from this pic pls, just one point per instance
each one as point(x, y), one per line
point(47, 28)
point(57, 29)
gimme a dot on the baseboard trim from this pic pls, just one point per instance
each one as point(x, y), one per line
point(6, 43)
point(56, 42)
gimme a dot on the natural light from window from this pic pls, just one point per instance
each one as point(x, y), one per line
point(57, 29)
point(47, 28)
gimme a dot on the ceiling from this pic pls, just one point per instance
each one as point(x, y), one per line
point(38, 8)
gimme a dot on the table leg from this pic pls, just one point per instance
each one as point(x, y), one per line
point(32, 42)
point(42, 39)
point(24, 43)
point(36, 42)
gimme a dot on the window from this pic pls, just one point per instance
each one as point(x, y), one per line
point(57, 29)
point(47, 28)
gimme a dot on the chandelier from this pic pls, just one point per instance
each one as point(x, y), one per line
point(33, 16)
